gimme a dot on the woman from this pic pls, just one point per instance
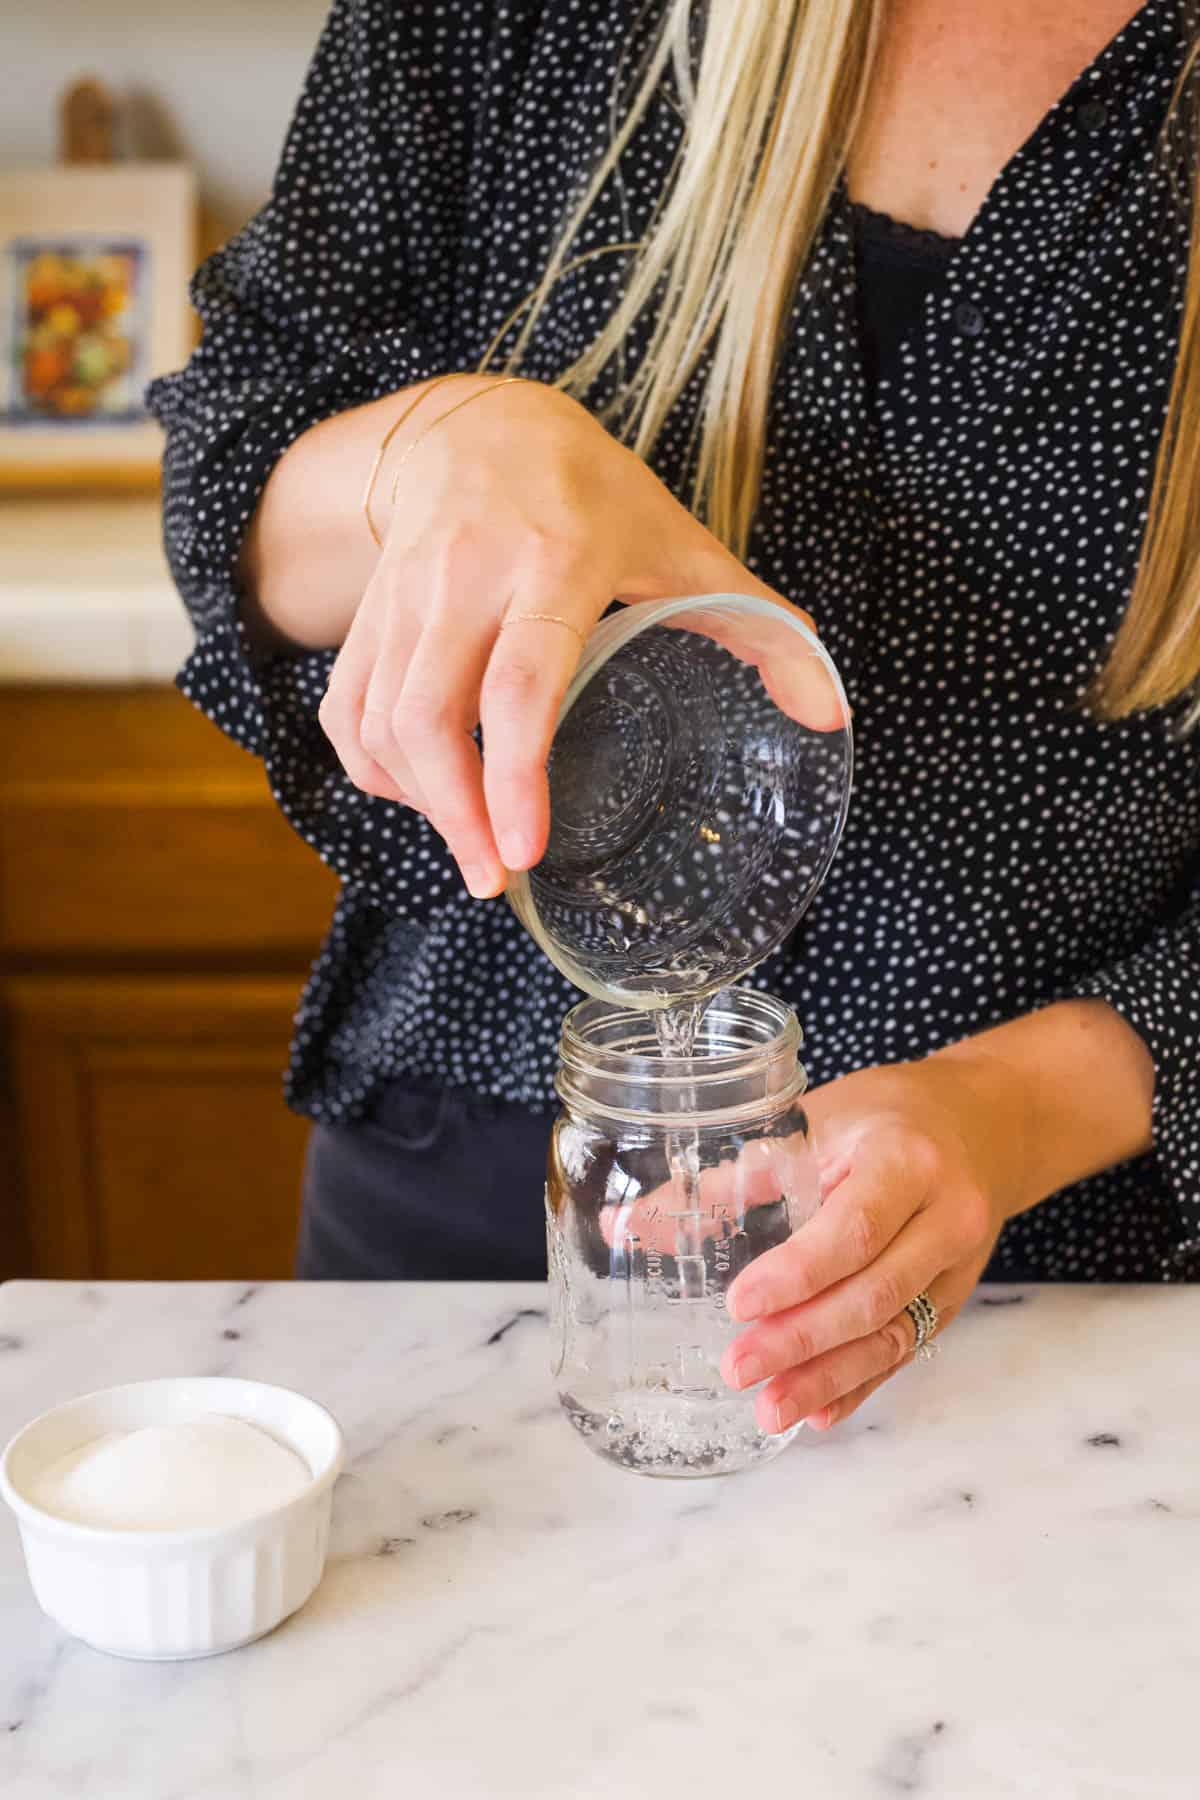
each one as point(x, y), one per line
point(942, 437)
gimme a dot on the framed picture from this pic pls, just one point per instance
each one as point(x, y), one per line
point(94, 266)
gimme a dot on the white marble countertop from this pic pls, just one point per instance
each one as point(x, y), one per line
point(984, 1585)
point(85, 593)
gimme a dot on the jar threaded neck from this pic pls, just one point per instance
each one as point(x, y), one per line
point(745, 1061)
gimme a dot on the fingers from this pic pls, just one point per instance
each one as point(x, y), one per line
point(848, 1313)
point(835, 1385)
point(408, 691)
point(527, 676)
point(409, 687)
point(890, 1180)
point(806, 1392)
point(431, 722)
point(795, 676)
point(341, 715)
point(837, 1410)
point(422, 699)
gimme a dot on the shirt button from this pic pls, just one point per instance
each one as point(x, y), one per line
point(1093, 116)
point(968, 319)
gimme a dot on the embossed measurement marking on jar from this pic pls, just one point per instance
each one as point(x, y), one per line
point(654, 1214)
point(696, 1373)
point(722, 1263)
point(689, 1253)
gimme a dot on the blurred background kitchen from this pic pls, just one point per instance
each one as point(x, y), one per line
point(148, 972)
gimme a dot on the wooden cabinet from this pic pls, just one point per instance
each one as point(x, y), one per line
point(157, 920)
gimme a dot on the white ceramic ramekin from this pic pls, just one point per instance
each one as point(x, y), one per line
point(161, 1595)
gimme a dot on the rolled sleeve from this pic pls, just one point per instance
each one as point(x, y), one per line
point(340, 291)
point(1157, 990)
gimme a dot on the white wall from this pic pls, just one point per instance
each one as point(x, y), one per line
point(214, 80)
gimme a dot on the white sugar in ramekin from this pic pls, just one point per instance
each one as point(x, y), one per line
point(162, 1595)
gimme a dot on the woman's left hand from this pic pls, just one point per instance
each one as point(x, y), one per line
point(921, 1164)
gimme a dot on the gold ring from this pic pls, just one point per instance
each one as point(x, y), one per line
point(540, 618)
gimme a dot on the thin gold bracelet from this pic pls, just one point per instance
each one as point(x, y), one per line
point(508, 381)
point(373, 477)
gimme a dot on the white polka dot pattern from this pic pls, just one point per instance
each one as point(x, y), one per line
point(966, 538)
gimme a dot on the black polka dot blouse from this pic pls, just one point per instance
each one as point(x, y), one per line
point(965, 532)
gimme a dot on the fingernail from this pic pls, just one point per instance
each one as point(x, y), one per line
point(482, 882)
point(820, 1421)
point(517, 850)
point(744, 1305)
point(748, 1370)
point(786, 1415)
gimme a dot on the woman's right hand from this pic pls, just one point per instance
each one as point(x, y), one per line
point(522, 503)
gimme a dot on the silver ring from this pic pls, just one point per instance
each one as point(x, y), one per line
point(924, 1315)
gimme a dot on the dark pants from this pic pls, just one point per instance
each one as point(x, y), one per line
point(437, 1185)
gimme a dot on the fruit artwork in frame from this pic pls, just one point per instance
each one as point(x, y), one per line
point(79, 330)
point(94, 264)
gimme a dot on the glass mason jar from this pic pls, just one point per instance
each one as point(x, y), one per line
point(667, 1176)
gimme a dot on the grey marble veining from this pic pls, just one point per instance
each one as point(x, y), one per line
point(985, 1585)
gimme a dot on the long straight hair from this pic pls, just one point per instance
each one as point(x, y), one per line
point(771, 103)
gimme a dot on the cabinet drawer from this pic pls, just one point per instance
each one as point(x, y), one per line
point(129, 828)
point(143, 868)
point(151, 1137)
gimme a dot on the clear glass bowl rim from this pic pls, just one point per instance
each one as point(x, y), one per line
point(609, 636)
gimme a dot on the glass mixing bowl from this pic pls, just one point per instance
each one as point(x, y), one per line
point(699, 780)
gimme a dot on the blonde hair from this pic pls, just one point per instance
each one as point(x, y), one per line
point(771, 106)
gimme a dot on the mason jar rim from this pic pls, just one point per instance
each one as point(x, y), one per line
point(592, 1076)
